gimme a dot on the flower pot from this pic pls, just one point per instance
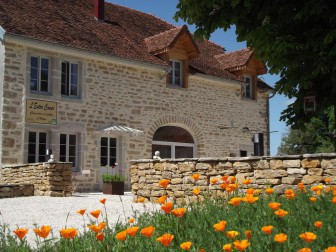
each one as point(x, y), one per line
point(114, 188)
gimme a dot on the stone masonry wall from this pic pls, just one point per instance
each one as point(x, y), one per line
point(48, 179)
point(277, 172)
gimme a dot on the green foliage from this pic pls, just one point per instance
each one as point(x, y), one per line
point(315, 137)
point(296, 39)
point(109, 178)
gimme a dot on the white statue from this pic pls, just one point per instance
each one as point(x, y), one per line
point(157, 155)
point(52, 159)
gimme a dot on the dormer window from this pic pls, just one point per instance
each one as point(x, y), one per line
point(247, 88)
point(176, 73)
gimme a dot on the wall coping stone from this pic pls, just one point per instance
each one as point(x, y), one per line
point(30, 164)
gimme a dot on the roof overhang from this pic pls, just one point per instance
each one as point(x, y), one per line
point(119, 130)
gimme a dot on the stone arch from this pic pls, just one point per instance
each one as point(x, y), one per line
point(180, 121)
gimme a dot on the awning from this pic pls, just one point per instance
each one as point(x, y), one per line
point(116, 129)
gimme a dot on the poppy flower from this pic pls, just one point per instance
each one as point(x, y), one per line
point(167, 207)
point(304, 250)
point(274, 205)
point(103, 201)
point(68, 233)
point(161, 200)
point(21, 232)
point(248, 234)
point(131, 231)
point(308, 236)
point(312, 199)
point(141, 200)
point(225, 178)
point(233, 179)
point(121, 236)
point(235, 201)
point(195, 176)
point(328, 189)
point(95, 213)
point(334, 200)
point(214, 181)
point(269, 191)
point(179, 212)
point(147, 231)
point(232, 187)
point(250, 199)
point(164, 183)
point(280, 238)
point(231, 234)
point(281, 213)
point(227, 247)
point(301, 186)
point(289, 194)
point(43, 232)
point(100, 236)
point(257, 191)
point(318, 224)
point(247, 181)
point(220, 226)
point(165, 239)
point(131, 220)
point(241, 245)
point(99, 228)
point(81, 211)
point(196, 191)
point(201, 250)
point(327, 180)
point(267, 229)
point(250, 191)
point(330, 249)
point(186, 245)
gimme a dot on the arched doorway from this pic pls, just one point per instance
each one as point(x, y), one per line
point(173, 142)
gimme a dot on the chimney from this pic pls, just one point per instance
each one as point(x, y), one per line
point(99, 9)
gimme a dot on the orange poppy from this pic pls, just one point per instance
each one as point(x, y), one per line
point(274, 205)
point(334, 200)
point(269, 191)
point(308, 236)
point(231, 234)
point(281, 213)
point(68, 233)
point(304, 250)
point(301, 186)
point(179, 212)
point(257, 191)
point(100, 236)
point(121, 236)
point(43, 232)
point(167, 207)
point(141, 200)
point(161, 200)
point(289, 194)
point(131, 220)
point(235, 201)
point(330, 249)
point(202, 250)
point(21, 232)
point(247, 181)
point(95, 213)
point(250, 191)
point(131, 231)
point(327, 180)
point(227, 247)
point(280, 238)
point(233, 179)
point(250, 199)
point(165, 239)
point(147, 231)
point(312, 199)
point(99, 228)
point(267, 229)
point(225, 178)
point(81, 211)
point(103, 201)
point(220, 226)
point(318, 224)
point(186, 245)
point(248, 234)
point(328, 189)
point(164, 183)
point(195, 176)
point(214, 180)
point(196, 191)
point(241, 245)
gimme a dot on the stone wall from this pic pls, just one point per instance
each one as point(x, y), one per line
point(278, 172)
point(48, 179)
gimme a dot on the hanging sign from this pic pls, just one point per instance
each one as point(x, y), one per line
point(40, 111)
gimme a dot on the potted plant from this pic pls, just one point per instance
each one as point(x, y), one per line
point(113, 184)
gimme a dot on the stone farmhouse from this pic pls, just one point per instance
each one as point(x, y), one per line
point(98, 85)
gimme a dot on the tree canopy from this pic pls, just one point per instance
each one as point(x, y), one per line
point(295, 39)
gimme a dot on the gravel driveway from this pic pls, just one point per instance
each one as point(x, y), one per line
point(24, 212)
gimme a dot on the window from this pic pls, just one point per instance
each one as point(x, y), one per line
point(175, 75)
point(39, 75)
point(68, 148)
point(248, 87)
point(108, 151)
point(69, 79)
point(37, 147)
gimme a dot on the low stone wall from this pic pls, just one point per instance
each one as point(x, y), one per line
point(48, 179)
point(10, 191)
point(279, 172)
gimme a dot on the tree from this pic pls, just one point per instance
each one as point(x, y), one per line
point(316, 137)
point(295, 39)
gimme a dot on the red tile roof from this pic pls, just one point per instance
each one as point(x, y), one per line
point(122, 34)
point(235, 60)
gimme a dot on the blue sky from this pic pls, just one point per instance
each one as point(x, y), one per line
point(165, 9)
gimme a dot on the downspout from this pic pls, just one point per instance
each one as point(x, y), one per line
point(2, 80)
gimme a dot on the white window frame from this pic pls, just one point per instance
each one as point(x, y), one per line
point(68, 79)
point(172, 73)
point(173, 145)
point(248, 87)
point(39, 69)
point(37, 145)
point(108, 151)
point(76, 165)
